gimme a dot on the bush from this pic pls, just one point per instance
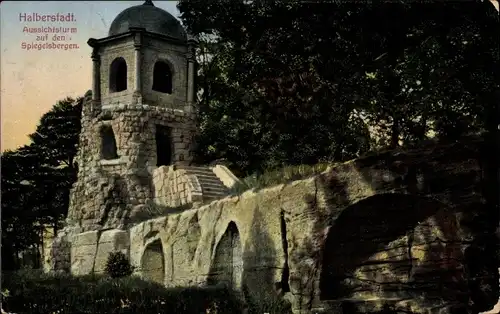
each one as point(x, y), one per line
point(38, 293)
point(118, 265)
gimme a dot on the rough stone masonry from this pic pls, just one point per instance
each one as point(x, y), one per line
point(391, 232)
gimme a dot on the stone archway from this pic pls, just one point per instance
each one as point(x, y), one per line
point(389, 246)
point(227, 265)
point(153, 262)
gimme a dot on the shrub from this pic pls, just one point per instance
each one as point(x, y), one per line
point(118, 265)
point(38, 293)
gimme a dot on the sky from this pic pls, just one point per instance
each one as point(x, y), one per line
point(32, 81)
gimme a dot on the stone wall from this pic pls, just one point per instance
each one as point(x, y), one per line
point(385, 232)
point(90, 250)
point(57, 253)
point(174, 188)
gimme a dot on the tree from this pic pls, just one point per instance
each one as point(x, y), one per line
point(17, 217)
point(257, 115)
point(55, 141)
point(57, 133)
point(285, 79)
point(36, 180)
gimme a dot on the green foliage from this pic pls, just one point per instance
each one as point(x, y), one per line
point(271, 304)
point(263, 103)
point(118, 265)
point(38, 293)
point(282, 84)
point(36, 180)
point(56, 136)
point(279, 176)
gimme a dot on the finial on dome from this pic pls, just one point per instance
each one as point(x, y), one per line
point(148, 2)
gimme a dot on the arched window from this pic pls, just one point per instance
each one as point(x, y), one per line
point(118, 75)
point(108, 143)
point(162, 78)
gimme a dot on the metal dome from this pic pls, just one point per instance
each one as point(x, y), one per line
point(149, 17)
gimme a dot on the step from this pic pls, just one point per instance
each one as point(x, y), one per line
point(215, 185)
point(214, 193)
point(208, 180)
point(205, 171)
point(207, 177)
point(214, 189)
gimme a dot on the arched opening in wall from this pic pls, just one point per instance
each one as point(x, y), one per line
point(108, 143)
point(118, 75)
point(227, 265)
point(164, 145)
point(384, 245)
point(153, 262)
point(162, 77)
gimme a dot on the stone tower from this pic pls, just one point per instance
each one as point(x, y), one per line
point(136, 144)
point(141, 116)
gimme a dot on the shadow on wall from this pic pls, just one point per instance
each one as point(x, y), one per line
point(263, 284)
point(305, 261)
point(410, 246)
point(227, 264)
point(388, 254)
point(252, 272)
point(60, 254)
point(153, 262)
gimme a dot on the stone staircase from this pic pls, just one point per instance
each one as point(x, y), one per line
point(211, 185)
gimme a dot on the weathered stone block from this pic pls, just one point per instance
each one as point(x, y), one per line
point(83, 252)
point(110, 241)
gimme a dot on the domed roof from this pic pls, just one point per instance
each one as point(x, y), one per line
point(153, 19)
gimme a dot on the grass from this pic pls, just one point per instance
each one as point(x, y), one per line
point(35, 292)
point(279, 176)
